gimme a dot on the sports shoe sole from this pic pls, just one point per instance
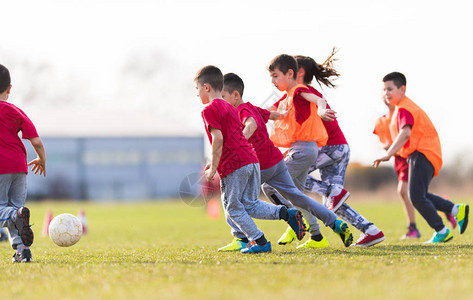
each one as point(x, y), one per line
point(24, 229)
point(447, 240)
point(340, 203)
point(300, 221)
point(465, 221)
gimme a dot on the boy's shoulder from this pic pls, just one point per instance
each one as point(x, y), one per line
point(10, 107)
point(219, 107)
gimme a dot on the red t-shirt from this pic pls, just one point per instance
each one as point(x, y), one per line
point(237, 151)
point(404, 118)
point(335, 134)
point(302, 107)
point(268, 154)
point(12, 151)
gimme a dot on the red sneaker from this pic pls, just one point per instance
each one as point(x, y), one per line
point(334, 202)
point(451, 219)
point(367, 240)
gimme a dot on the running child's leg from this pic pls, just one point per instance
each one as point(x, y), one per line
point(12, 197)
point(282, 182)
point(233, 186)
point(240, 201)
point(421, 173)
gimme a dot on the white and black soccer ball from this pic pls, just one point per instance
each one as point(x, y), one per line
point(65, 230)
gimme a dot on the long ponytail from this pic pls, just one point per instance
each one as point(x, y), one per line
point(324, 73)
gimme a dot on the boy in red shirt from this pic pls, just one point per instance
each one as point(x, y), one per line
point(300, 129)
point(416, 139)
point(332, 161)
point(237, 164)
point(273, 168)
point(401, 167)
point(13, 170)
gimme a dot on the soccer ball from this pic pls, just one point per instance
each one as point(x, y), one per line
point(65, 230)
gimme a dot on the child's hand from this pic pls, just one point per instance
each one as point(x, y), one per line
point(209, 174)
point(38, 166)
point(380, 160)
point(326, 114)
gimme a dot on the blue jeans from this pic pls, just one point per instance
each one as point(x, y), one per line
point(240, 191)
point(12, 197)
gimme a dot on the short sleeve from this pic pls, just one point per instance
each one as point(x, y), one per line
point(404, 118)
point(211, 117)
point(245, 114)
point(264, 113)
point(28, 130)
point(300, 90)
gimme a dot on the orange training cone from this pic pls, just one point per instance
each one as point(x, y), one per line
point(83, 220)
point(213, 209)
point(47, 219)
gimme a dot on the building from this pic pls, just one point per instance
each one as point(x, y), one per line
point(116, 168)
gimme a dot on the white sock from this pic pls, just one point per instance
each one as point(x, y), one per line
point(454, 210)
point(372, 230)
point(443, 231)
point(336, 189)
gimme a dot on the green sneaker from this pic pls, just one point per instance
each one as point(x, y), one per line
point(287, 237)
point(235, 245)
point(462, 217)
point(314, 244)
point(341, 228)
point(440, 238)
point(307, 226)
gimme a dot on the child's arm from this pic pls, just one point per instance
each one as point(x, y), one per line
point(217, 145)
point(400, 140)
point(39, 163)
point(323, 112)
point(250, 127)
point(274, 115)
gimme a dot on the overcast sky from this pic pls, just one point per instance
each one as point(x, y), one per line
point(94, 63)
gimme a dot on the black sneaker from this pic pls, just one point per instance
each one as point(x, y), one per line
point(22, 223)
point(24, 257)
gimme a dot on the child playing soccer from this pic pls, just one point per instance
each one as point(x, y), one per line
point(13, 169)
point(332, 161)
point(415, 138)
point(401, 168)
point(237, 165)
point(273, 168)
point(301, 129)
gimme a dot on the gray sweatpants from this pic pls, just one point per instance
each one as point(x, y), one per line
point(12, 197)
point(240, 191)
point(278, 178)
point(300, 157)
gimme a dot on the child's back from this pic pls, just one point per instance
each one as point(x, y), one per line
point(237, 151)
point(12, 150)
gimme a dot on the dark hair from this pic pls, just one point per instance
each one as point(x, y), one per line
point(211, 75)
point(397, 78)
point(284, 63)
point(322, 72)
point(232, 82)
point(5, 79)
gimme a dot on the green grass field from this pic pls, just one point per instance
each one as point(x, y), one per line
point(167, 250)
